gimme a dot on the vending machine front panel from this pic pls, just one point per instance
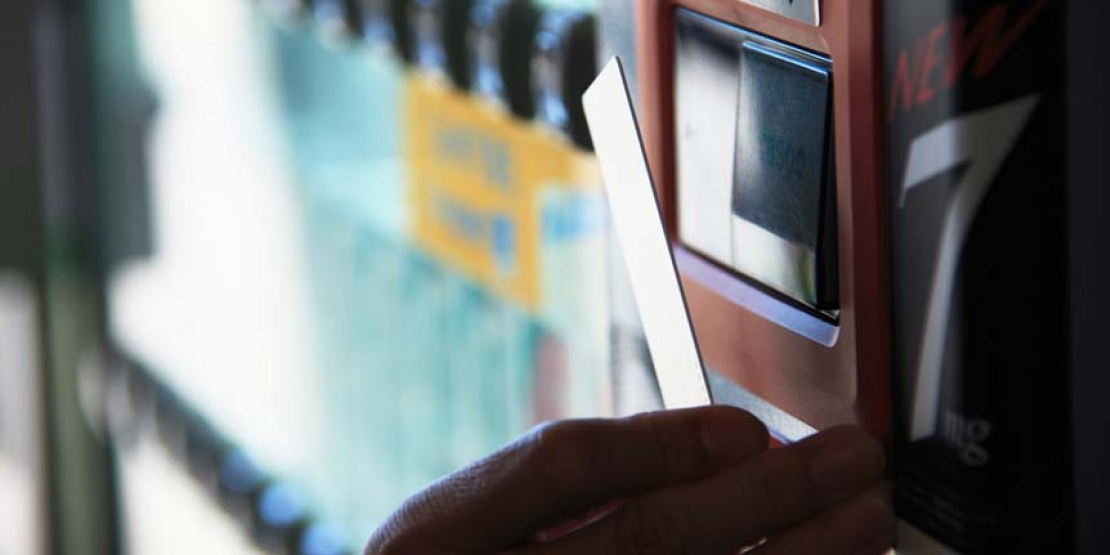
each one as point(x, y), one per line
point(761, 128)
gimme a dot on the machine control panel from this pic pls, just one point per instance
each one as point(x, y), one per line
point(755, 186)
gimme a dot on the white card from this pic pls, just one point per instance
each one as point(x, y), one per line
point(639, 229)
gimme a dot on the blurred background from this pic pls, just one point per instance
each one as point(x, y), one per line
point(269, 267)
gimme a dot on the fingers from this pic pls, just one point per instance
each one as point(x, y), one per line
point(762, 497)
point(565, 468)
point(862, 525)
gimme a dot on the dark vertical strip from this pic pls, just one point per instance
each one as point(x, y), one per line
point(82, 470)
point(21, 225)
point(1088, 142)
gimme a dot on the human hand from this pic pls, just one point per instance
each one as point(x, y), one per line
point(688, 481)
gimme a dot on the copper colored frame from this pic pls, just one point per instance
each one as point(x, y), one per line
point(823, 385)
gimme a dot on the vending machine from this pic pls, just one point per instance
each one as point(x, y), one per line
point(873, 208)
point(301, 258)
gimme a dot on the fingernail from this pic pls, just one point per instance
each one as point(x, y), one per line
point(731, 438)
point(847, 462)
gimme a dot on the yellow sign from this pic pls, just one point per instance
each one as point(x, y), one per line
point(476, 183)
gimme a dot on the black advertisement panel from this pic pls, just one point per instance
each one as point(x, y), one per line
point(974, 122)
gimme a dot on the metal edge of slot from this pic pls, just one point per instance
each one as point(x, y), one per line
point(784, 426)
point(753, 299)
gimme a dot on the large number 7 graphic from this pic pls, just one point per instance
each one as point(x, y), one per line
point(981, 141)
